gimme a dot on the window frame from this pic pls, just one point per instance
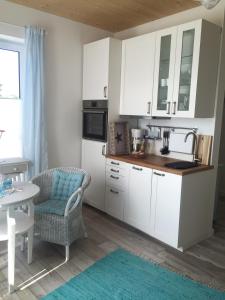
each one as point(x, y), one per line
point(17, 47)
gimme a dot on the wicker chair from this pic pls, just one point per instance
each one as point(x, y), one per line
point(69, 226)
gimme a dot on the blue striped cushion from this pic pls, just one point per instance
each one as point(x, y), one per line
point(51, 207)
point(65, 184)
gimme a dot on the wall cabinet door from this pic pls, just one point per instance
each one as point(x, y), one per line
point(96, 70)
point(138, 56)
point(93, 161)
point(165, 55)
point(165, 207)
point(186, 69)
point(137, 205)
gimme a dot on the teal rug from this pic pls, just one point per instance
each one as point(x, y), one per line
point(124, 276)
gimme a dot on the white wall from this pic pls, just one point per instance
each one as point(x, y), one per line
point(63, 66)
point(216, 15)
point(221, 171)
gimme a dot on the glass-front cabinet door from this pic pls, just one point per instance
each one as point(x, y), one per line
point(186, 70)
point(164, 71)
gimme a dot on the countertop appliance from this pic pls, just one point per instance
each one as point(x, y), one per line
point(95, 120)
point(138, 142)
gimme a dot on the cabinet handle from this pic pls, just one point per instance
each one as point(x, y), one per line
point(174, 108)
point(159, 174)
point(115, 171)
point(103, 150)
point(114, 177)
point(114, 163)
point(105, 91)
point(168, 107)
point(114, 192)
point(137, 169)
point(149, 108)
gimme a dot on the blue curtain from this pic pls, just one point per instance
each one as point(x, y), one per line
point(33, 108)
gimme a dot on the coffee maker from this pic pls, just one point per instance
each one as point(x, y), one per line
point(138, 142)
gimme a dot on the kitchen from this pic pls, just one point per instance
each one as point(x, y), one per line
point(134, 106)
point(158, 82)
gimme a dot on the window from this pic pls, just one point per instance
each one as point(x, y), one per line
point(9, 74)
point(11, 83)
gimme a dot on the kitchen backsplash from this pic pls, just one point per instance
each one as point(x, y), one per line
point(204, 126)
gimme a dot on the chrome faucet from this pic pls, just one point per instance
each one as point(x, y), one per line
point(194, 147)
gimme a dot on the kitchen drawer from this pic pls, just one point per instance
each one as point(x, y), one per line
point(115, 199)
point(114, 170)
point(139, 169)
point(117, 163)
point(14, 168)
point(117, 180)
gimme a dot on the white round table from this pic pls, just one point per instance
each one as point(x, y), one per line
point(14, 222)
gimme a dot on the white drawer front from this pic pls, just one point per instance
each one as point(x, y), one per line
point(117, 180)
point(116, 170)
point(10, 169)
point(117, 163)
point(140, 169)
point(115, 199)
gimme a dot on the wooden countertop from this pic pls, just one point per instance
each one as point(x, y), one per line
point(158, 163)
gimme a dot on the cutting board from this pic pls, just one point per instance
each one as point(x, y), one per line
point(177, 143)
point(204, 147)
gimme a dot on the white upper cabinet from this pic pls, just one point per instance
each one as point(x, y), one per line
point(138, 55)
point(96, 70)
point(172, 72)
point(165, 56)
point(196, 67)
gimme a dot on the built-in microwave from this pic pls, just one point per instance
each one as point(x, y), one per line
point(95, 120)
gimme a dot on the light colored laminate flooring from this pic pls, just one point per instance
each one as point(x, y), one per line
point(205, 262)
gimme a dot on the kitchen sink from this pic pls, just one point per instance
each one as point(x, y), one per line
point(182, 165)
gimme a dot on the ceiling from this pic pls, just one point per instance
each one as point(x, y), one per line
point(111, 15)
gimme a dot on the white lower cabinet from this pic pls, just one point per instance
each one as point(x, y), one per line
point(175, 209)
point(165, 207)
point(137, 204)
point(116, 188)
point(93, 161)
point(115, 199)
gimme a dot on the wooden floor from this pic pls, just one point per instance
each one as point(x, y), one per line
point(204, 262)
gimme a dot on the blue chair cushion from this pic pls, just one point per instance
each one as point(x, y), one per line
point(51, 207)
point(65, 184)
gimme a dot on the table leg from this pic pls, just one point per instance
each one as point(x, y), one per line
point(30, 234)
point(30, 245)
point(22, 177)
point(22, 242)
point(11, 248)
